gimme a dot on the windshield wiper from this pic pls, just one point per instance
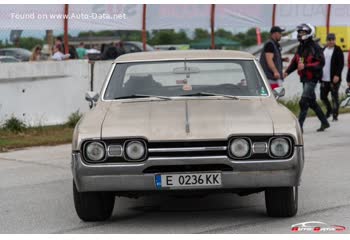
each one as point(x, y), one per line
point(143, 96)
point(210, 94)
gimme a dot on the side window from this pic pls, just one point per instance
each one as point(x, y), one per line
point(129, 48)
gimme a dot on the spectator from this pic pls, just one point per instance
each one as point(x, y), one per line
point(36, 54)
point(73, 52)
point(309, 61)
point(271, 59)
point(110, 52)
point(120, 48)
point(332, 70)
point(93, 50)
point(59, 41)
point(81, 51)
point(58, 55)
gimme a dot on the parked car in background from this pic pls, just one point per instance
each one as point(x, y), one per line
point(129, 47)
point(8, 59)
point(186, 122)
point(133, 46)
point(21, 54)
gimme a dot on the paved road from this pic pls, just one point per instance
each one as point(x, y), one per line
point(36, 195)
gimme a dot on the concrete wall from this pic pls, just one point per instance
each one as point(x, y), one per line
point(45, 93)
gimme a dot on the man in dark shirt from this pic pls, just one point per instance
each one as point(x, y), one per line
point(332, 71)
point(271, 58)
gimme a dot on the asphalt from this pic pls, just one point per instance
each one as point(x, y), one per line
point(36, 195)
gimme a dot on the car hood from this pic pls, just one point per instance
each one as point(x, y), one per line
point(206, 118)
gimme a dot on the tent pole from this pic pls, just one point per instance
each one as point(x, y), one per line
point(329, 6)
point(144, 33)
point(212, 26)
point(273, 15)
point(65, 27)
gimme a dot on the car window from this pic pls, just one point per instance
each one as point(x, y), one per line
point(6, 60)
point(129, 48)
point(176, 78)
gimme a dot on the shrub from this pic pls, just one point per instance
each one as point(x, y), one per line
point(15, 125)
point(73, 119)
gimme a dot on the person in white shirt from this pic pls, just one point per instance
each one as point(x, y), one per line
point(334, 64)
point(58, 55)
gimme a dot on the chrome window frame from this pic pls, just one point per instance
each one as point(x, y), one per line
point(114, 64)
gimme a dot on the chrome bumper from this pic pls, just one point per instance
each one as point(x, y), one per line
point(245, 174)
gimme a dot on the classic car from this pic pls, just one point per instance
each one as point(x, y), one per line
point(186, 122)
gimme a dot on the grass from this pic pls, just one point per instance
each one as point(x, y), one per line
point(15, 135)
point(35, 136)
point(293, 106)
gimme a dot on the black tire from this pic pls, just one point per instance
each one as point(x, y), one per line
point(93, 206)
point(281, 201)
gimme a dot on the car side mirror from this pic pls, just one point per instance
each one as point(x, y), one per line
point(92, 97)
point(279, 92)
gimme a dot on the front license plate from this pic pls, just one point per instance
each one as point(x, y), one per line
point(187, 180)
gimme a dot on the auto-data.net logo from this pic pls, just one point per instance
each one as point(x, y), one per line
point(316, 227)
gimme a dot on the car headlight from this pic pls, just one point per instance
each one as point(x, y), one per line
point(240, 147)
point(95, 151)
point(279, 147)
point(135, 150)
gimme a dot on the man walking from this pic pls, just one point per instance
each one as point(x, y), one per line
point(271, 58)
point(309, 61)
point(332, 70)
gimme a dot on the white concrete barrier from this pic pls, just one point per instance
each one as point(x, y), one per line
point(42, 93)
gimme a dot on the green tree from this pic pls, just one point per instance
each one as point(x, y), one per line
point(224, 34)
point(30, 42)
point(200, 34)
point(164, 37)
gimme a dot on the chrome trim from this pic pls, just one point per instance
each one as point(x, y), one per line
point(105, 84)
point(180, 59)
point(266, 147)
point(262, 75)
point(187, 122)
point(113, 145)
point(189, 149)
point(187, 158)
point(114, 64)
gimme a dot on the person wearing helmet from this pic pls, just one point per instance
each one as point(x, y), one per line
point(309, 61)
point(271, 59)
point(332, 71)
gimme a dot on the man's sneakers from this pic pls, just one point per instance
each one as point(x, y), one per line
point(323, 127)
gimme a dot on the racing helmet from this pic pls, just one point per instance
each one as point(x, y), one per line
point(308, 28)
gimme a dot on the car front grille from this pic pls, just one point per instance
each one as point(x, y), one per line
point(187, 149)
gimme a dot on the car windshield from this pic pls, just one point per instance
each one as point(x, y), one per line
point(186, 78)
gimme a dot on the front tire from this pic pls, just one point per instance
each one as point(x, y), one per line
point(281, 201)
point(93, 206)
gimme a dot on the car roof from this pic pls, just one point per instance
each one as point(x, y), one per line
point(183, 54)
